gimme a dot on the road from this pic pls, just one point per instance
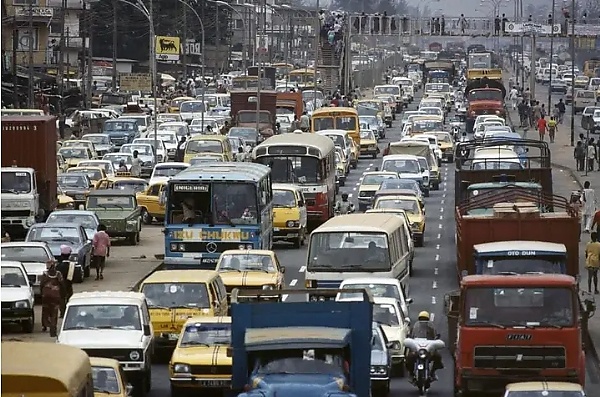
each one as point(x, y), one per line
point(434, 270)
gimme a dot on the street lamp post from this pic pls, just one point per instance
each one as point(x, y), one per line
point(549, 108)
point(274, 11)
point(244, 45)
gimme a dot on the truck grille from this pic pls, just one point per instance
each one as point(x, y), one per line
point(201, 246)
point(116, 354)
point(7, 305)
point(328, 283)
point(10, 213)
point(210, 369)
point(520, 357)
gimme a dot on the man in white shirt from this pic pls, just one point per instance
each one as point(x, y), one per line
point(589, 206)
point(136, 165)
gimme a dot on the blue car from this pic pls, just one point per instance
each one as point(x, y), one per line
point(71, 234)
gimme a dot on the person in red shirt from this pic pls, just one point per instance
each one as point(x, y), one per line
point(596, 221)
point(101, 250)
point(542, 126)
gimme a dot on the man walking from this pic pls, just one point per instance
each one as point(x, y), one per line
point(101, 250)
point(589, 206)
point(67, 270)
point(51, 285)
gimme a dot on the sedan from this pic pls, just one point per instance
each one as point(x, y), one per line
point(69, 234)
point(88, 219)
point(381, 363)
point(33, 256)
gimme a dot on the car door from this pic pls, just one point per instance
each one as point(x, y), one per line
point(302, 208)
point(151, 199)
point(87, 246)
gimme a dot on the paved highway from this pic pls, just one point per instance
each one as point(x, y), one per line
point(434, 270)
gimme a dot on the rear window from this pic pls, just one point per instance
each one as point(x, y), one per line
point(586, 94)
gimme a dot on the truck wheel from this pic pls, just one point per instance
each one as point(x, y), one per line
point(27, 326)
point(146, 217)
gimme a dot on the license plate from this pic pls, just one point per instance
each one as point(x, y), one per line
point(173, 336)
point(275, 229)
point(213, 383)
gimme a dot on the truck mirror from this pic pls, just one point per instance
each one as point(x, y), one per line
point(229, 352)
point(422, 170)
point(147, 330)
point(282, 268)
point(408, 301)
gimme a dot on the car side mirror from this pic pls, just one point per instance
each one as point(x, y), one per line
point(147, 331)
point(282, 269)
point(300, 203)
point(229, 352)
point(129, 390)
point(389, 345)
point(407, 320)
point(422, 169)
point(408, 301)
point(437, 336)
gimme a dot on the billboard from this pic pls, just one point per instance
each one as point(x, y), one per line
point(167, 48)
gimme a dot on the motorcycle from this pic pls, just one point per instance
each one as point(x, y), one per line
point(424, 350)
point(349, 210)
point(456, 133)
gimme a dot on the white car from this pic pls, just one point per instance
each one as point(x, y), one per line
point(190, 110)
point(596, 118)
point(112, 324)
point(106, 165)
point(164, 171)
point(379, 286)
point(17, 296)
point(33, 256)
point(157, 144)
point(181, 128)
point(169, 139)
point(116, 158)
point(144, 122)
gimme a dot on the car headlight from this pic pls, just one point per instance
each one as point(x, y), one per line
point(378, 370)
point(245, 247)
point(268, 287)
point(70, 205)
point(131, 221)
point(181, 368)
point(396, 345)
point(414, 225)
point(177, 247)
point(362, 194)
point(372, 147)
point(292, 223)
point(422, 353)
point(425, 178)
point(134, 355)
point(22, 304)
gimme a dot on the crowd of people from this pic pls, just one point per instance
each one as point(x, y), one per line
point(332, 29)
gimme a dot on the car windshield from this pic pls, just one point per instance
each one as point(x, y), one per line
point(284, 199)
point(293, 169)
point(167, 138)
point(97, 139)
point(377, 179)
point(102, 316)
point(15, 182)
point(496, 165)
point(393, 90)
point(105, 380)
point(72, 181)
point(52, 233)
point(93, 174)
point(25, 254)
point(107, 167)
point(377, 290)
point(143, 150)
point(409, 206)
point(435, 111)
point(246, 262)
point(117, 158)
point(367, 135)
point(402, 166)
point(208, 334)
point(423, 163)
point(399, 184)
point(12, 276)
point(513, 307)
point(247, 134)
point(166, 171)
point(443, 137)
point(305, 364)
point(338, 140)
point(437, 87)
point(426, 126)
point(502, 264)
point(120, 126)
point(204, 146)
point(485, 95)
point(180, 130)
point(349, 252)
point(87, 221)
point(191, 107)
point(96, 203)
point(74, 153)
point(206, 159)
point(174, 295)
point(386, 314)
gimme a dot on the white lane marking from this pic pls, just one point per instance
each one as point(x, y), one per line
point(436, 271)
point(302, 269)
point(350, 195)
point(293, 282)
point(437, 247)
point(433, 300)
point(370, 165)
point(445, 184)
point(437, 257)
point(441, 226)
point(432, 317)
point(354, 189)
point(442, 209)
point(357, 183)
point(443, 195)
point(442, 202)
point(439, 236)
point(368, 169)
point(284, 297)
point(441, 217)
point(434, 286)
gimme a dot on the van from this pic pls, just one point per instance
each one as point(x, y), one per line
point(357, 245)
point(200, 145)
point(45, 369)
point(342, 139)
point(175, 295)
point(114, 383)
point(583, 99)
point(289, 214)
point(496, 158)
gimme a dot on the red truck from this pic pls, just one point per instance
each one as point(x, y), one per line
point(29, 181)
point(244, 112)
point(485, 96)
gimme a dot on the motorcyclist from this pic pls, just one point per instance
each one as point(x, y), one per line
point(344, 207)
point(424, 329)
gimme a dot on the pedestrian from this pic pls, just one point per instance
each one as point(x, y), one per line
point(542, 126)
point(561, 110)
point(180, 151)
point(579, 155)
point(136, 165)
point(514, 97)
point(589, 205)
point(304, 122)
point(295, 124)
point(52, 289)
point(240, 156)
point(497, 22)
point(67, 270)
point(100, 250)
point(591, 154)
point(596, 222)
point(592, 262)
point(552, 128)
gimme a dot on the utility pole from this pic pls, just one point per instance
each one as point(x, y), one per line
point(317, 33)
point(572, 72)
point(115, 40)
point(184, 45)
point(30, 92)
point(217, 43)
point(60, 76)
point(15, 48)
point(261, 43)
point(549, 108)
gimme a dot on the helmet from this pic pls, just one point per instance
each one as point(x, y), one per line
point(65, 250)
point(344, 196)
point(424, 315)
point(297, 131)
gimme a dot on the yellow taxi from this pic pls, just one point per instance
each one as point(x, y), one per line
point(61, 164)
point(123, 180)
point(81, 143)
point(543, 388)
point(173, 296)
point(200, 145)
point(176, 103)
point(152, 202)
point(289, 214)
point(446, 145)
point(108, 379)
point(368, 144)
point(412, 208)
point(251, 269)
point(95, 174)
point(200, 360)
point(64, 202)
point(342, 168)
point(369, 184)
point(74, 155)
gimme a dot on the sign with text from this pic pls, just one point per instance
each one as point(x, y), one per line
point(43, 12)
point(583, 30)
point(167, 48)
point(135, 82)
point(531, 27)
point(190, 188)
point(192, 48)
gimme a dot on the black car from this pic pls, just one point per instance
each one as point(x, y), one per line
point(381, 363)
point(75, 185)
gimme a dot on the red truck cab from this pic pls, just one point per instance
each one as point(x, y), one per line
point(485, 96)
point(514, 328)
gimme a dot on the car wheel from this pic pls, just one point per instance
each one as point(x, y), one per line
point(374, 155)
point(146, 217)
point(86, 269)
point(148, 379)
point(132, 239)
point(342, 182)
point(27, 326)
point(303, 236)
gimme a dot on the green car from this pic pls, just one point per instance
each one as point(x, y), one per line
point(118, 210)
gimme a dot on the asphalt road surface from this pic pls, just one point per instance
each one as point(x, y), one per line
point(434, 271)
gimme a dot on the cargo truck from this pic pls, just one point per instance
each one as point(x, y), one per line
point(485, 95)
point(244, 113)
point(29, 181)
point(513, 328)
point(480, 60)
point(301, 349)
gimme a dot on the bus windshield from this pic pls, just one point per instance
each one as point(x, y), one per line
point(349, 252)
point(293, 169)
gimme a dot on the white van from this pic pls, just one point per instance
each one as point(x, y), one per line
point(357, 245)
point(343, 140)
point(496, 158)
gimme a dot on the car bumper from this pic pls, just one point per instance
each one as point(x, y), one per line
point(497, 384)
point(285, 233)
point(197, 381)
point(14, 315)
point(368, 152)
